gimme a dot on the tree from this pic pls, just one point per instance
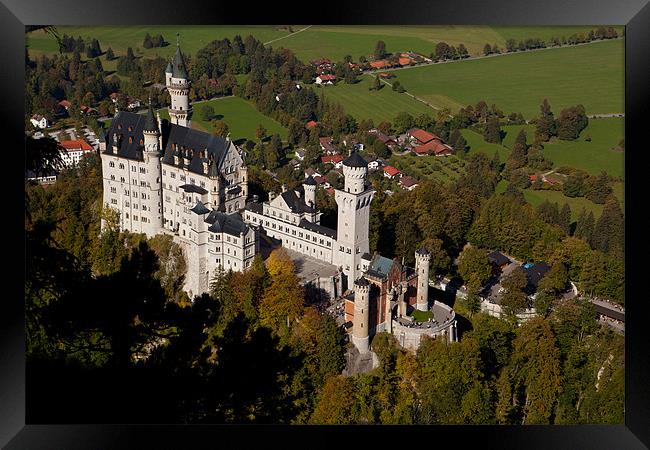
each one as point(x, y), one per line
point(514, 299)
point(574, 186)
point(511, 45)
point(564, 218)
point(336, 403)
point(260, 132)
point(473, 265)
point(376, 84)
point(546, 125)
point(571, 122)
point(608, 236)
point(207, 113)
point(492, 131)
point(283, 300)
point(585, 225)
point(487, 49)
point(598, 188)
point(380, 50)
point(403, 122)
point(220, 128)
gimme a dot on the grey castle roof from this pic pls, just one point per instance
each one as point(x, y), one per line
point(194, 189)
point(355, 160)
point(214, 147)
point(178, 65)
point(169, 68)
point(200, 208)
point(231, 224)
point(150, 122)
point(295, 203)
point(307, 225)
point(309, 181)
point(422, 251)
point(380, 266)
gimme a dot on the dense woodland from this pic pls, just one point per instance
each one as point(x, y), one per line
point(107, 314)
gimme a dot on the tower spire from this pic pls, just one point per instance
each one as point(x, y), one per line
point(178, 39)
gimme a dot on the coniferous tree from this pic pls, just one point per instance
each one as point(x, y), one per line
point(585, 225)
point(564, 218)
point(608, 235)
point(492, 131)
point(546, 126)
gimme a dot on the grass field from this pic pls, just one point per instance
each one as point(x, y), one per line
point(363, 103)
point(591, 75)
point(593, 157)
point(444, 169)
point(576, 204)
point(331, 41)
point(242, 118)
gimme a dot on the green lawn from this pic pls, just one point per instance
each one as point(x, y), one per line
point(421, 316)
point(478, 144)
point(363, 103)
point(591, 75)
point(593, 156)
point(576, 204)
point(440, 168)
point(242, 118)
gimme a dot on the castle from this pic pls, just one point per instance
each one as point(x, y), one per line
point(165, 177)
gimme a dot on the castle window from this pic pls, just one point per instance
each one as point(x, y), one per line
point(111, 164)
point(164, 172)
point(113, 177)
point(122, 179)
point(135, 217)
point(142, 170)
point(127, 215)
point(114, 201)
point(132, 168)
point(173, 175)
point(329, 244)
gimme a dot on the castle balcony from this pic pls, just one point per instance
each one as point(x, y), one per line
point(178, 85)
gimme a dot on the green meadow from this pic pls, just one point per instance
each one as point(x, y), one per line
point(242, 118)
point(590, 74)
point(357, 99)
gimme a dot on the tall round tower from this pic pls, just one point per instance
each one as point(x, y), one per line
point(360, 337)
point(152, 219)
point(310, 191)
point(178, 85)
point(422, 259)
point(355, 169)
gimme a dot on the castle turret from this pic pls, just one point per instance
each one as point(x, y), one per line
point(178, 85)
point(309, 186)
point(152, 219)
point(360, 336)
point(353, 217)
point(422, 259)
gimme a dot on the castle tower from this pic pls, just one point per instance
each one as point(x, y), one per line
point(422, 259)
point(309, 186)
point(153, 203)
point(178, 85)
point(360, 333)
point(353, 217)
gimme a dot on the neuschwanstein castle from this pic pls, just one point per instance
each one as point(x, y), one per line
point(165, 177)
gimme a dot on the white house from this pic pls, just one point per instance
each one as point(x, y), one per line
point(73, 151)
point(39, 121)
point(325, 79)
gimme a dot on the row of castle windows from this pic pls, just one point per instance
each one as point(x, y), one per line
point(300, 234)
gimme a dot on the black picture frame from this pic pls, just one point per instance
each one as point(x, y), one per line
point(634, 14)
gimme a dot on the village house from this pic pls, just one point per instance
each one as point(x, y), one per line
point(408, 183)
point(39, 121)
point(326, 145)
point(373, 162)
point(325, 79)
point(311, 172)
point(311, 124)
point(391, 172)
point(335, 160)
point(389, 141)
point(73, 151)
point(300, 154)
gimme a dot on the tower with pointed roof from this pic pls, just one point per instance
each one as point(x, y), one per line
point(178, 85)
point(353, 217)
point(151, 176)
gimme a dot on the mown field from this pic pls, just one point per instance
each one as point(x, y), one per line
point(593, 157)
point(591, 75)
point(242, 118)
point(363, 103)
point(318, 41)
point(576, 204)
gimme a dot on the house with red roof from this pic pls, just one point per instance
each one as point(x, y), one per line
point(335, 160)
point(418, 136)
point(433, 147)
point(326, 145)
point(325, 79)
point(381, 64)
point(391, 172)
point(389, 141)
point(311, 124)
point(73, 151)
point(321, 181)
point(66, 104)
